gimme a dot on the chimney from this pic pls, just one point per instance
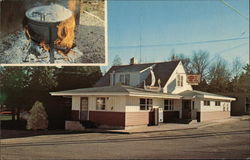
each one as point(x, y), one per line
point(133, 61)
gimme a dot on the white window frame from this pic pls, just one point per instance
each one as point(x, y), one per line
point(100, 105)
point(179, 80)
point(205, 104)
point(217, 103)
point(169, 106)
point(148, 104)
point(125, 79)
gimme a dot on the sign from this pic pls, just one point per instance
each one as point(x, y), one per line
point(193, 79)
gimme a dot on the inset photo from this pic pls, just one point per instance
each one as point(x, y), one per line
point(53, 32)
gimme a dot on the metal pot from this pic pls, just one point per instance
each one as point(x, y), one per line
point(42, 30)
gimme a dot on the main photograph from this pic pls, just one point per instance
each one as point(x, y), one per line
point(176, 86)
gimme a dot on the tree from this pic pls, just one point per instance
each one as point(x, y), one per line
point(244, 80)
point(237, 67)
point(180, 57)
point(200, 63)
point(77, 77)
point(14, 81)
point(219, 76)
point(117, 61)
point(38, 118)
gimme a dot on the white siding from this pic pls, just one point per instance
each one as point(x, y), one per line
point(113, 103)
point(170, 86)
point(75, 102)
point(225, 106)
point(132, 104)
point(134, 77)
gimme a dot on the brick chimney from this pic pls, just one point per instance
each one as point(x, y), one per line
point(133, 61)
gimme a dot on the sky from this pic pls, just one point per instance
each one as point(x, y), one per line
point(152, 30)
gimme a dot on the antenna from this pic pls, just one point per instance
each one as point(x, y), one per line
point(140, 60)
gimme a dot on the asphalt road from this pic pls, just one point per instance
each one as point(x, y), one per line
point(227, 140)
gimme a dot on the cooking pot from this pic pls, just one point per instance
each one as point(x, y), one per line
point(42, 30)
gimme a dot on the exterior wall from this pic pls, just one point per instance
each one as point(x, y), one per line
point(137, 118)
point(134, 77)
point(144, 75)
point(225, 106)
point(239, 107)
point(134, 116)
point(212, 112)
point(216, 115)
point(170, 86)
point(113, 119)
point(113, 103)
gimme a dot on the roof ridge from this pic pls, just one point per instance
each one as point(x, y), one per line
point(146, 63)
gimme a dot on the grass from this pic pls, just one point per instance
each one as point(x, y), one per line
point(5, 117)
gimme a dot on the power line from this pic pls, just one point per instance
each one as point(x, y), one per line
point(178, 44)
point(234, 9)
point(226, 50)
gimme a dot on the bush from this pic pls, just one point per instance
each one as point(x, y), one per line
point(38, 118)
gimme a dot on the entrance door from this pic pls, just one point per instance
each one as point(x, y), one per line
point(84, 109)
point(186, 109)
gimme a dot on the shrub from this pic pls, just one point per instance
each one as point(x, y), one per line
point(38, 118)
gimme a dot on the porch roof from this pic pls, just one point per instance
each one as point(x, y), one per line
point(118, 90)
point(200, 94)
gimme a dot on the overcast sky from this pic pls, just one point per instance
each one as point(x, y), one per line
point(180, 25)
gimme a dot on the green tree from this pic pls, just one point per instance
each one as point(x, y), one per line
point(14, 81)
point(77, 77)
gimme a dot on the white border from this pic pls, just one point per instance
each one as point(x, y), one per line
point(80, 64)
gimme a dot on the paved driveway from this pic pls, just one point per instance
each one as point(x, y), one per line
point(227, 140)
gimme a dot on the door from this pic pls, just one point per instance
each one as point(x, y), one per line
point(84, 113)
point(186, 109)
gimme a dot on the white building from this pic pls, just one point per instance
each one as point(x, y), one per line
point(145, 94)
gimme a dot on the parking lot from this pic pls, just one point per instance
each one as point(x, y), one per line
point(225, 140)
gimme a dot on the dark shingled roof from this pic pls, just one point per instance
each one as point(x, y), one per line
point(162, 71)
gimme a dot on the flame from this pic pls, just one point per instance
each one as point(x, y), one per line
point(66, 33)
point(44, 46)
point(72, 5)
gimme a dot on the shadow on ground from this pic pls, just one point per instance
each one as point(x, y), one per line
point(137, 139)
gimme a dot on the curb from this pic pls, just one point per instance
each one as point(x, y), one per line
point(156, 131)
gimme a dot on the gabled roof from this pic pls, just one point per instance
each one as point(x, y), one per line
point(162, 71)
point(117, 90)
point(200, 94)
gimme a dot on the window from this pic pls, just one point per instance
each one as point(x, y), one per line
point(217, 103)
point(125, 79)
point(122, 79)
point(168, 105)
point(146, 104)
point(100, 103)
point(84, 103)
point(179, 80)
point(206, 103)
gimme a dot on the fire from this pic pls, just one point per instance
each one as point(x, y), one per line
point(44, 46)
point(72, 5)
point(66, 33)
